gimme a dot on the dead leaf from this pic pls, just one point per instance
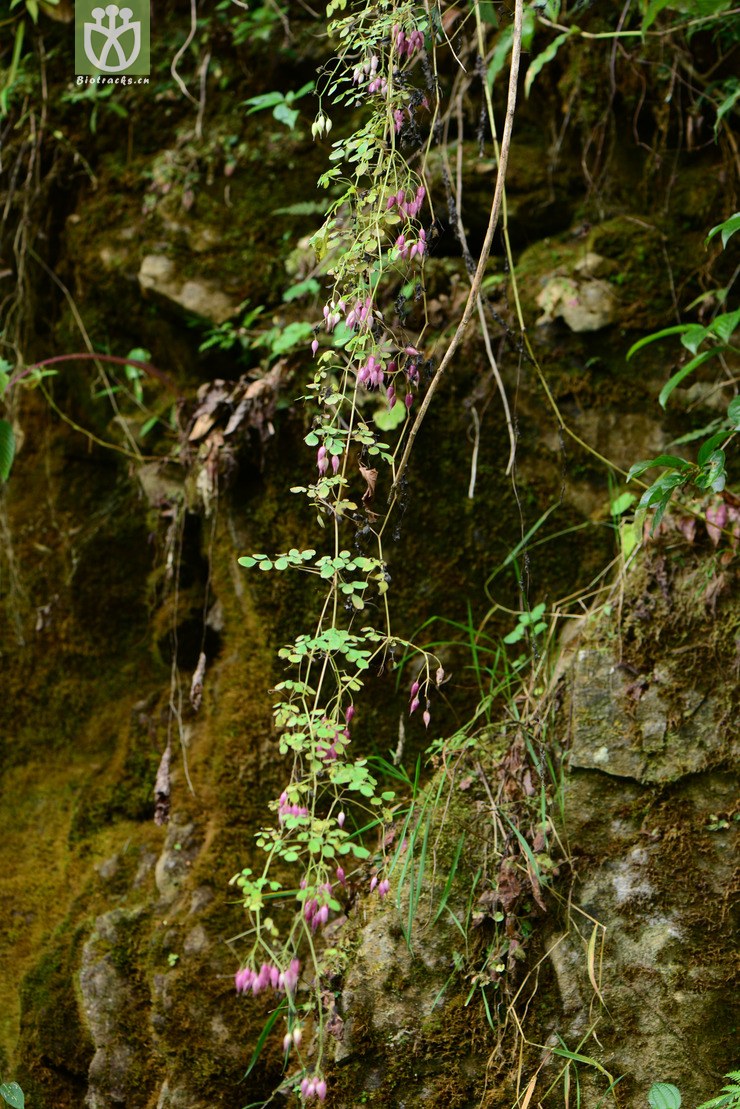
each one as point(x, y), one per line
point(370, 477)
point(202, 426)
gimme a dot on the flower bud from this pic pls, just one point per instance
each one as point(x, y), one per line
point(409, 400)
point(426, 717)
point(297, 1035)
point(414, 705)
point(287, 1041)
point(314, 347)
point(340, 819)
point(321, 1090)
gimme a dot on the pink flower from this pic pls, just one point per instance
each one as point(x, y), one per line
point(373, 882)
point(243, 979)
point(414, 705)
point(409, 400)
point(335, 463)
point(349, 714)
point(426, 717)
point(322, 461)
point(383, 888)
point(340, 819)
point(314, 347)
point(321, 1090)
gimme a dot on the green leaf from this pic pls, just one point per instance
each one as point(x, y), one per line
point(246, 560)
point(290, 337)
point(264, 100)
point(726, 229)
point(725, 325)
point(12, 1094)
point(727, 105)
point(661, 460)
point(269, 1025)
point(706, 448)
point(677, 329)
point(733, 412)
point(694, 335)
point(500, 54)
point(542, 59)
point(652, 10)
point(663, 1095)
point(389, 420)
point(303, 288)
point(284, 114)
point(621, 503)
point(683, 373)
point(7, 449)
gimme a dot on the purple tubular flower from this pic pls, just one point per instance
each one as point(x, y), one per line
point(290, 978)
point(243, 979)
point(349, 714)
point(341, 878)
point(321, 1090)
point(373, 882)
point(335, 463)
point(383, 888)
point(314, 347)
point(414, 690)
point(414, 705)
point(409, 400)
point(322, 461)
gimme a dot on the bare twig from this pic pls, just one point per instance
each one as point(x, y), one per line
point(474, 294)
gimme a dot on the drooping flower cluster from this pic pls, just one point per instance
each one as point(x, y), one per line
point(285, 808)
point(407, 250)
point(316, 909)
point(406, 44)
point(371, 374)
point(381, 886)
point(268, 977)
point(409, 209)
point(313, 1087)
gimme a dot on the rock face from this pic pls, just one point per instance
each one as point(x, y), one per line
point(647, 810)
point(159, 275)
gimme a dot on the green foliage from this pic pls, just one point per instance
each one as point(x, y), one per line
point(254, 24)
point(663, 1095)
point(528, 623)
point(718, 335)
point(708, 473)
point(12, 1094)
point(281, 104)
point(7, 449)
point(730, 1096)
